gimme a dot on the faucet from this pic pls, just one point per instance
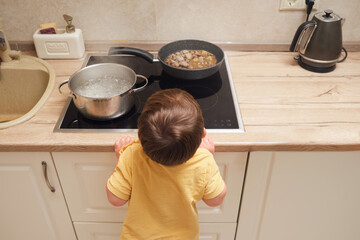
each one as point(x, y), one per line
point(6, 54)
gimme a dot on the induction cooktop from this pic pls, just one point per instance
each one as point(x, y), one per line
point(215, 95)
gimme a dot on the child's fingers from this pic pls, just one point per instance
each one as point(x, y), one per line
point(120, 143)
point(127, 139)
point(123, 141)
point(208, 144)
point(209, 141)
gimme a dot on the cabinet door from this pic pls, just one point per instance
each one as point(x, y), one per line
point(232, 168)
point(217, 231)
point(28, 209)
point(301, 195)
point(111, 231)
point(84, 175)
point(96, 231)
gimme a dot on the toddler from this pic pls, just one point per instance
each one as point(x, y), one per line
point(166, 171)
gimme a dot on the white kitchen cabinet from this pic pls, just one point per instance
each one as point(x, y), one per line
point(111, 231)
point(28, 208)
point(95, 231)
point(83, 177)
point(217, 231)
point(301, 195)
point(232, 168)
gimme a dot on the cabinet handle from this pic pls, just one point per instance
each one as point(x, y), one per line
point(44, 166)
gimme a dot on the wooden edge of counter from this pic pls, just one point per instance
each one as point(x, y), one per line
point(233, 147)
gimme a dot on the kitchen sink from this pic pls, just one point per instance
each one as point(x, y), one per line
point(25, 85)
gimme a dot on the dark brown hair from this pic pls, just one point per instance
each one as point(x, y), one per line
point(170, 127)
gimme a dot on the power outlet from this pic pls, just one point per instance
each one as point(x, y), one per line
point(289, 5)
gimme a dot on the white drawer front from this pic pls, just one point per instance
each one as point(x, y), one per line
point(111, 231)
point(83, 177)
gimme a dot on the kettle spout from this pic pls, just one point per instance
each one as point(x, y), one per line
point(342, 21)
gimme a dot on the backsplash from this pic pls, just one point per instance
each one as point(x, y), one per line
point(238, 21)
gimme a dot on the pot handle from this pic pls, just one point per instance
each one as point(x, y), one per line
point(132, 51)
point(142, 87)
point(61, 84)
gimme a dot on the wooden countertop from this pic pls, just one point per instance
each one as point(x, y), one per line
point(283, 108)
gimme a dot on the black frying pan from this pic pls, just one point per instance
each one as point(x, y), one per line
point(166, 50)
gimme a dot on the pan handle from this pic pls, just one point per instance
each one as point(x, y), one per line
point(132, 51)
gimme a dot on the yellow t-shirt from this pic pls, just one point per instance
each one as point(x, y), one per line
point(162, 198)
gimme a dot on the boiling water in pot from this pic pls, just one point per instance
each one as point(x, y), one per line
point(103, 87)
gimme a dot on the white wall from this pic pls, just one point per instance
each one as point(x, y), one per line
point(239, 21)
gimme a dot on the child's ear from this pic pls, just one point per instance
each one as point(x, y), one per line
point(204, 133)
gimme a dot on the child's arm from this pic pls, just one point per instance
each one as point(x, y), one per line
point(208, 144)
point(216, 201)
point(114, 200)
point(119, 144)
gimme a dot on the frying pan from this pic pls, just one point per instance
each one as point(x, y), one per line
point(166, 50)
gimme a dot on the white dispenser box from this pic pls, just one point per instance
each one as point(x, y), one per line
point(62, 45)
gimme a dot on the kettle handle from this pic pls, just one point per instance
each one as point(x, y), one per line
point(299, 34)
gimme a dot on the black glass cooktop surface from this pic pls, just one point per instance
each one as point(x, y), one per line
point(215, 95)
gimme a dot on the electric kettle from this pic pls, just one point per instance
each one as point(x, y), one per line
point(319, 42)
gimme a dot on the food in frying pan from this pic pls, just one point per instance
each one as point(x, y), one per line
point(191, 59)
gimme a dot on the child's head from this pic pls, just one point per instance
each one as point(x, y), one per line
point(171, 127)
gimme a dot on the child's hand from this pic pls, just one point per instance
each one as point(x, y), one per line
point(119, 144)
point(208, 144)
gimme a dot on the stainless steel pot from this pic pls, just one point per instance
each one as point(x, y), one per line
point(103, 91)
